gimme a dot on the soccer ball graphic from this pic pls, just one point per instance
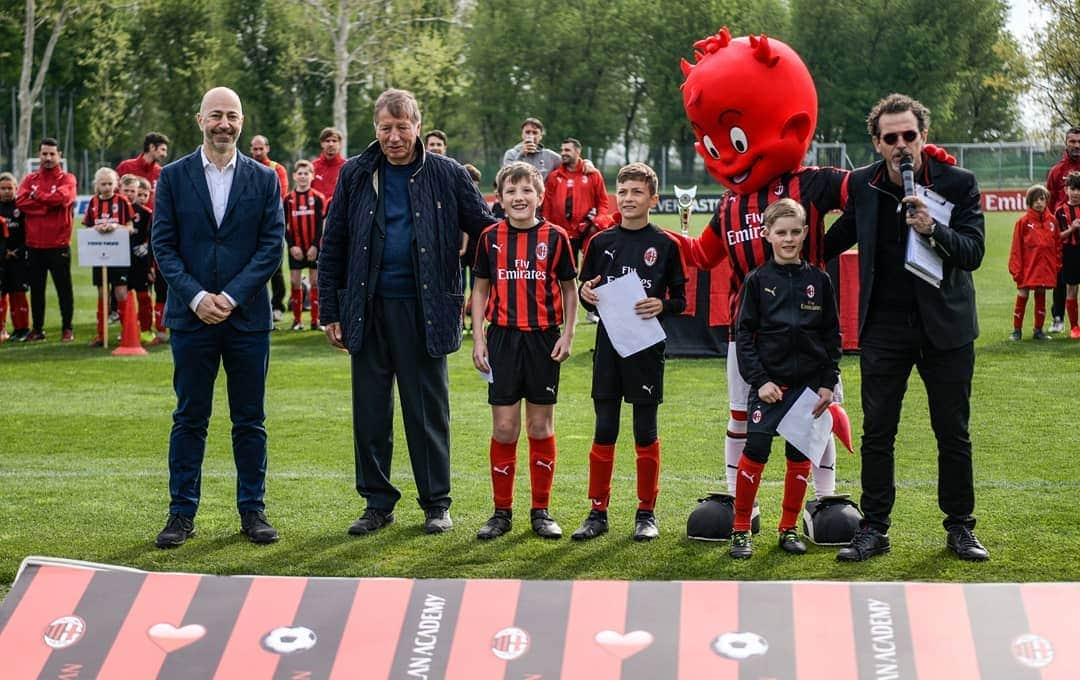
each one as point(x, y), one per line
point(286, 640)
point(740, 646)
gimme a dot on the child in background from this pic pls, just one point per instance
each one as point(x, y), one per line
point(1034, 260)
point(161, 288)
point(139, 276)
point(525, 287)
point(305, 210)
point(1068, 220)
point(107, 212)
point(14, 265)
point(787, 339)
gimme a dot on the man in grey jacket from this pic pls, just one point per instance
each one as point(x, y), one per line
point(392, 295)
point(531, 151)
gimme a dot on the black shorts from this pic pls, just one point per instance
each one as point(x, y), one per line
point(1070, 265)
point(521, 366)
point(638, 378)
point(763, 418)
point(15, 275)
point(139, 276)
point(118, 276)
point(305, 263)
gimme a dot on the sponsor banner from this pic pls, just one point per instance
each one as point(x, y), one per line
point(66, 620)
point(993, 200)
point(1003, 200)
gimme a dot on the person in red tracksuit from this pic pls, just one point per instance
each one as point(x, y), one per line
point(1034, 259)
point(45, 198)
point(327, 166)
point(575, 197)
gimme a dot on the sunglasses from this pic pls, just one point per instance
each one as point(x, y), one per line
point(909, 136)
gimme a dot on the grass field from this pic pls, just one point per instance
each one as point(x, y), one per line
point(83, 473)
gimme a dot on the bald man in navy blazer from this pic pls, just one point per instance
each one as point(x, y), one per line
point(217, 237)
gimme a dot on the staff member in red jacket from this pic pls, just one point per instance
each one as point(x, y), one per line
point(45, 197)
point(574, 196)
point(148, 163)
point(328, 164)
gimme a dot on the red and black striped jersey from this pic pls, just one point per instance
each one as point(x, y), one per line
point(1065, 214)
point(103, 211)
point(526, 267)
point(649, 252)
point(16, 236)
point(304, 215)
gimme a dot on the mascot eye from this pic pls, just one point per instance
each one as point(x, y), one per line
point(710, 147)
point(738, 140)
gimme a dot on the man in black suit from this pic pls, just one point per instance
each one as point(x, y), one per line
point(218, 228)
point(905, 321)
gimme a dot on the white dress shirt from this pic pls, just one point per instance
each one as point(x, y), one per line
point(219, 183)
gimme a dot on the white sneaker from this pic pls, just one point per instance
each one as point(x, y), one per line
point(277, 315)
point(1057, 325)
point(591, 317)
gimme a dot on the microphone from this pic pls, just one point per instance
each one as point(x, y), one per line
point(907, 173)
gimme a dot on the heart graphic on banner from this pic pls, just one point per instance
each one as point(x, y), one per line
point(170, 638)
point(624, 646)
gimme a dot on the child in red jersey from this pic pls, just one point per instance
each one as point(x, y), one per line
point(1068, 220)
point(161, 289)
point(633, 246)
point(525, 287)
point(1034, 259)
point(107, 212)
point(305, 209)
point(139, 276)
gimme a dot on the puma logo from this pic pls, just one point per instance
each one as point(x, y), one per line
point(550, 388)
point(597, 502)
point(802, 479)
point(505, 470)
point(771, 291)
point(648, 388)
point(549, 465)
point(749, 476)
point(497, 247)
point(610, 253)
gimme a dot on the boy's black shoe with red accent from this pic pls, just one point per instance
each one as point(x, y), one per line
point(594, 525)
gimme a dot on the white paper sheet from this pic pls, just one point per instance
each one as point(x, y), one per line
point(629, 333)
point(802, 430)
point(488, 375)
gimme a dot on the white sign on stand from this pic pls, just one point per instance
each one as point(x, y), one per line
point(104, 250)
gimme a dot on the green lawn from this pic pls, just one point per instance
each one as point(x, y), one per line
point(83, 472)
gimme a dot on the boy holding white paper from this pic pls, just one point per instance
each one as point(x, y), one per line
point(787, 339)
point(634, 246)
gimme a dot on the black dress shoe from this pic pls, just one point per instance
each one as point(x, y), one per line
point(371, 521)
point(962, 541)
point(254, 525)
point(437, 520)
point(498, 525)
point(645, 528)
point(542, 524)
point(791, 543)
point(742, 546)
point(178, 529)
point(866, 543)
point(594, 525)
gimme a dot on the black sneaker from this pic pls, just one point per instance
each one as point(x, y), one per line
point(791, 543)
point(1038, 334)
point(866, 543)
point(498, 525)
point(253, 524)
point(645, 528)
point(437, 521)
point(19, 336)
point(962, 541)
point(742, 547)
point(371, 521)
point(542, 524)
point(178, 529)
point(594, 525)
point(1015, 335)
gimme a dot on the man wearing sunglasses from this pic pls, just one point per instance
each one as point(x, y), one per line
point(905, 322)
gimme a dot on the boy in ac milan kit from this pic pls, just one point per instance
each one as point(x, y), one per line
point(139, 275)
point(636, 247)
point(14, 266)
point(788, 339)
point(107, 212)
point(305, 209)
point(1068, 219)
point(525, 288)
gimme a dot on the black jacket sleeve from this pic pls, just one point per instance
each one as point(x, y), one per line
point(750, 366)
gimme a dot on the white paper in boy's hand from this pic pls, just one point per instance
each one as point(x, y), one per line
point(488, 375)
point(629, 333)
point(802, 430)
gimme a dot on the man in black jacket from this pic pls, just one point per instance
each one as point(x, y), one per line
point(391, 294)
point(905, 321)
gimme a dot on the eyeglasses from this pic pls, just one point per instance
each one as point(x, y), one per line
point(891, 138)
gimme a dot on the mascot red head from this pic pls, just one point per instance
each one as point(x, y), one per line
point(753, 107)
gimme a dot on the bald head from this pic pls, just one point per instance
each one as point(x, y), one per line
point(221, 119)
point(259, 148)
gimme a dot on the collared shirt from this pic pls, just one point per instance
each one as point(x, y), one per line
point(219, 183)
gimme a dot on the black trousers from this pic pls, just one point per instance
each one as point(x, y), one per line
point(1057, 307)
point(395, 350)
point(277, 290)
point(57, 262)
point(887, 355)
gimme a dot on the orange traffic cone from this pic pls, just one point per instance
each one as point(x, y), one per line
point(129, 329)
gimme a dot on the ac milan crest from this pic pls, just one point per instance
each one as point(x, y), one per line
point(311, 200)
point(650, 257)
point(756, 416)
point(541, 251)
point(810, 291)
point(1034, 651)
point(64, 631)
point(510, 643)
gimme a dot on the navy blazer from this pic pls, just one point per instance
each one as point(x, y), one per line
point(237, 258)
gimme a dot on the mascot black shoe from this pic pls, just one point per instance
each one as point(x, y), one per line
point(714, 516)
point(831, 520)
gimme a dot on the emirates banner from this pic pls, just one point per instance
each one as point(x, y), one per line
point(76, 620)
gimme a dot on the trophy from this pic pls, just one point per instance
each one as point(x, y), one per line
point(685, 198)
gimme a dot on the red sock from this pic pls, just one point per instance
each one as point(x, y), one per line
point(1040, 308)
point(297, 304)
point(1018, 312)
point(503, 464)
point(159, 317)
point(314, 306)
point(794, 491)
point(146, 310)
point(20, 311)
point(601, 463)
point(3, 310)
point(746, 486)
point(1070, 309)
point(648, 475)
point(100, 317)
point(541, 469)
